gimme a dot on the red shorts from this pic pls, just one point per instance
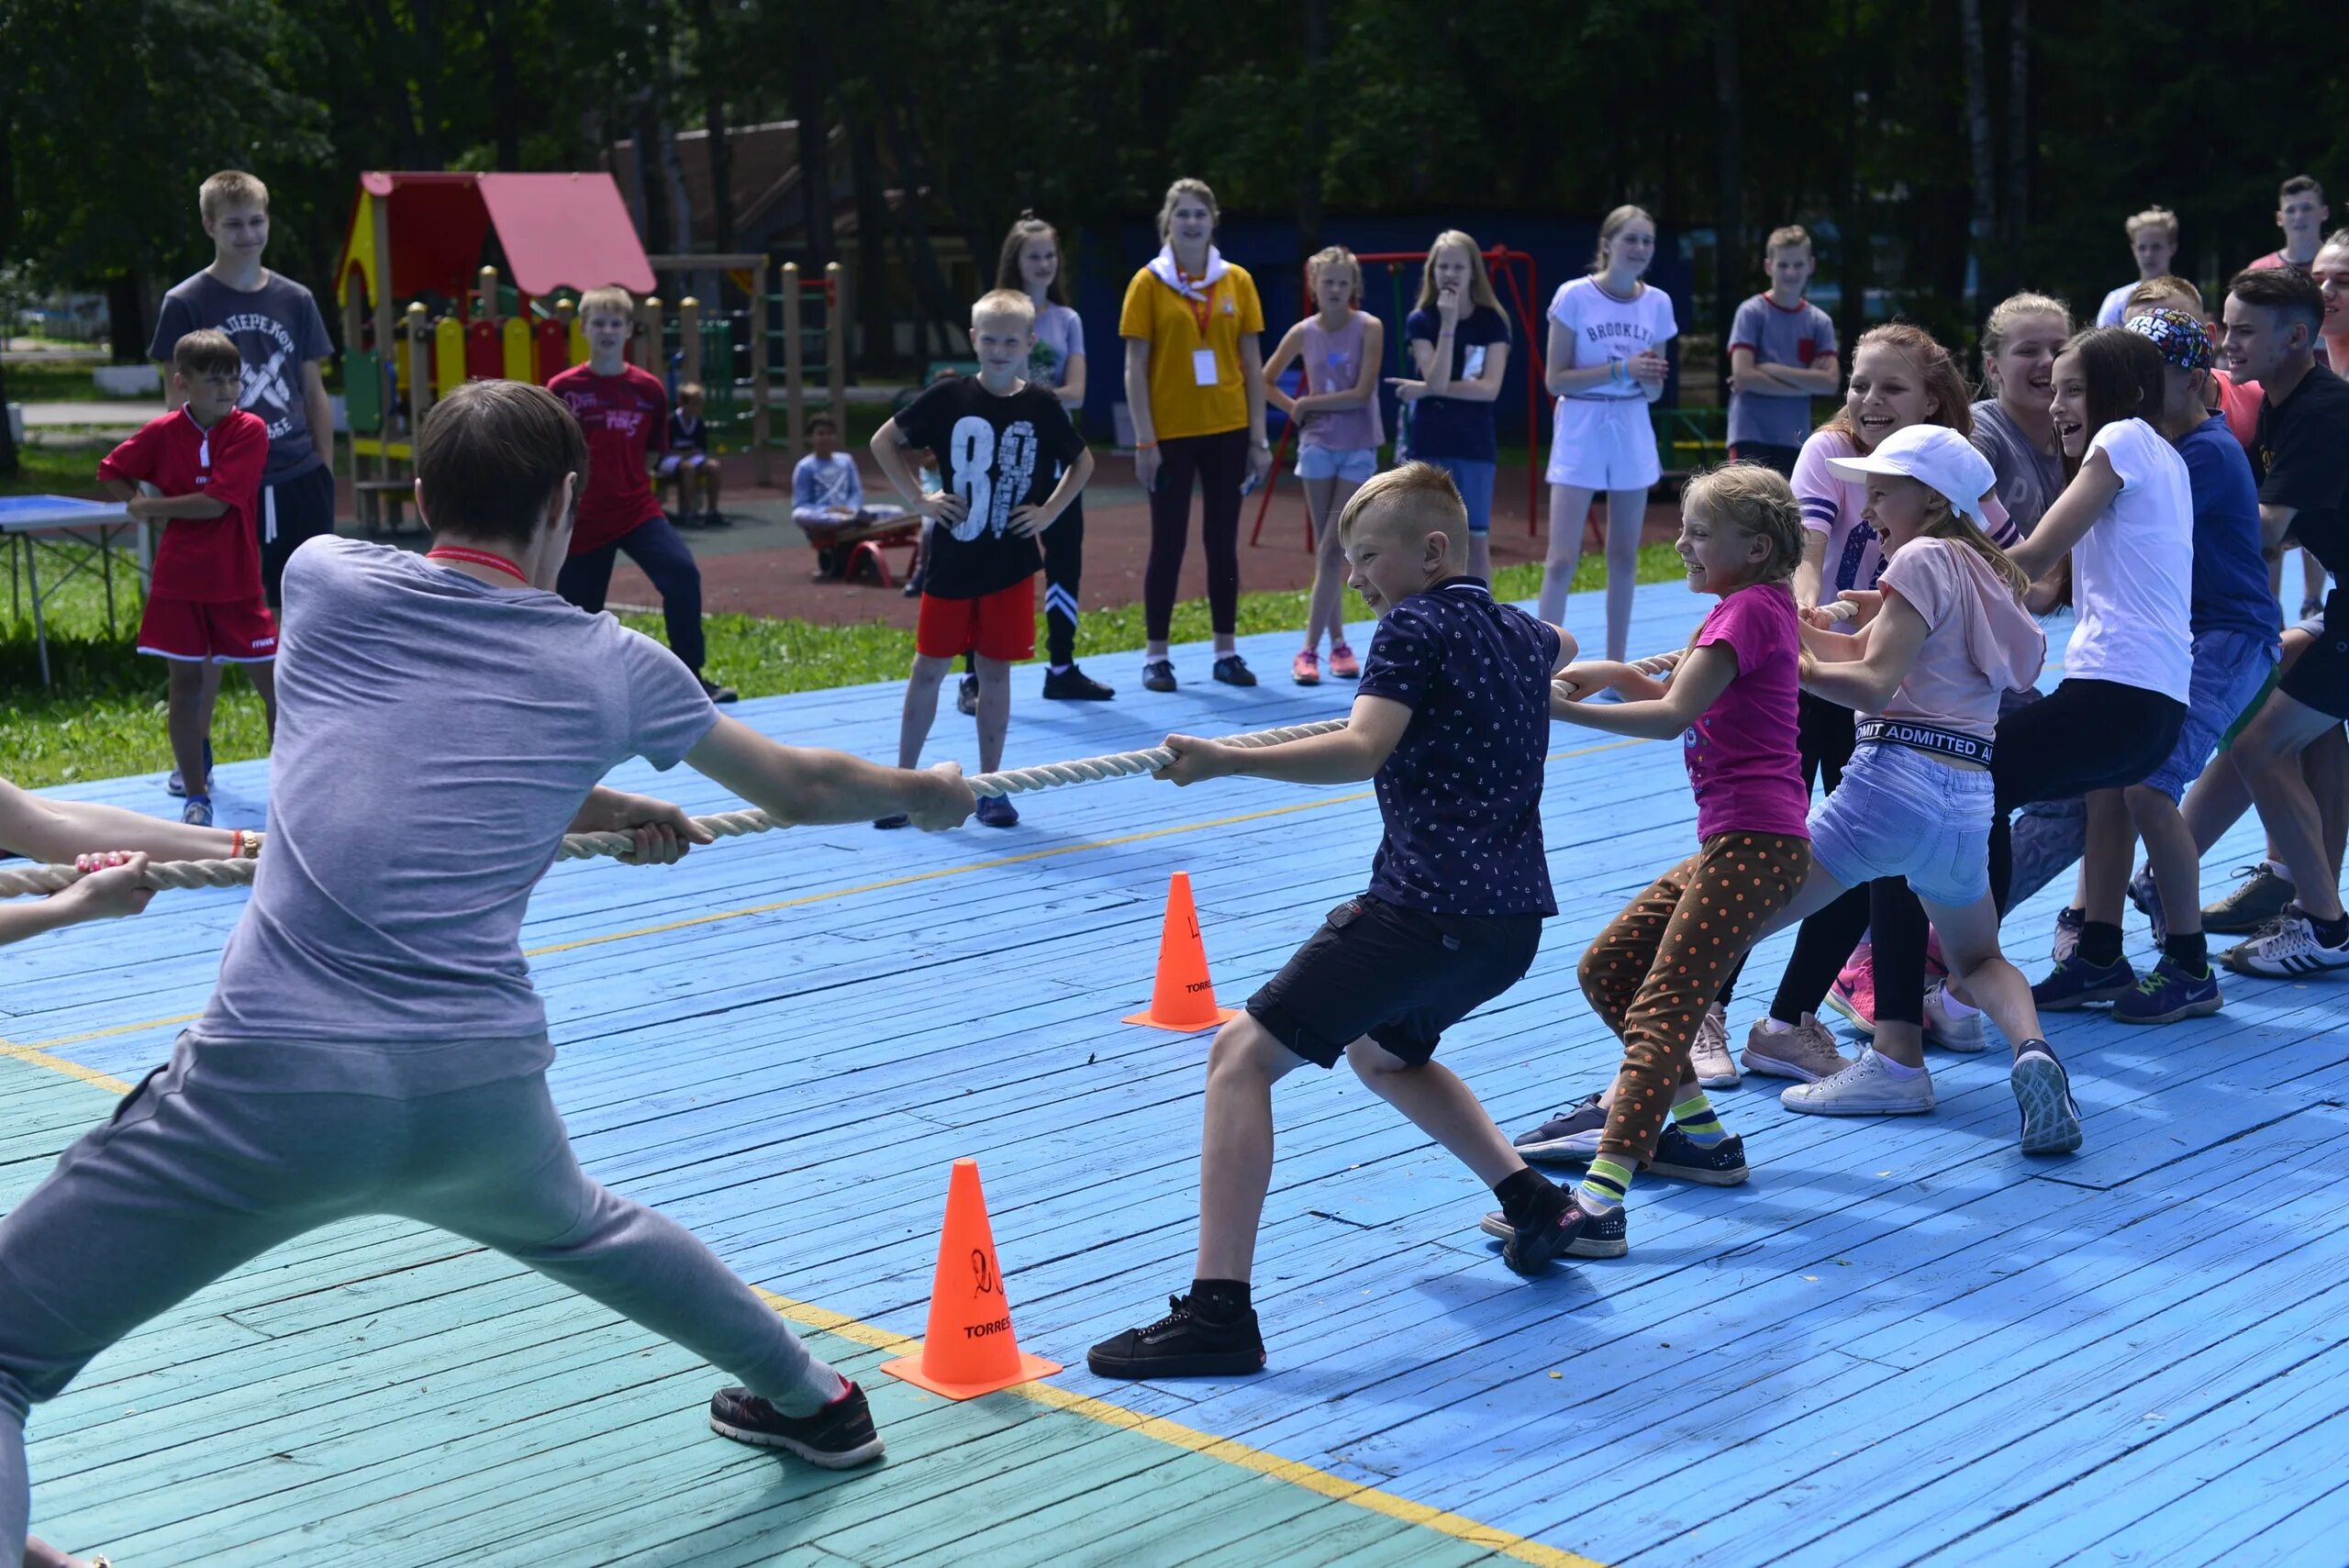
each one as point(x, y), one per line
point(239, 631)
point(999, 626)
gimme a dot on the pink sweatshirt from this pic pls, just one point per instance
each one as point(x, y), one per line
point(1981, 643)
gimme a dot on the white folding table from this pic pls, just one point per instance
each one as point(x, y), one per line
point(38, 526)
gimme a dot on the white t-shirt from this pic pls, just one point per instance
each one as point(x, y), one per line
point(1605, 328)
point(2132, 572)
point(2109, 313)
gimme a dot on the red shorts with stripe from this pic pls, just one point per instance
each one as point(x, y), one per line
point(999, 626)
point(238, 631)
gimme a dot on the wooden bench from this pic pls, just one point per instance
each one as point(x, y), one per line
point(857, 544)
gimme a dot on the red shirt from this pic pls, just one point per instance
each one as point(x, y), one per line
point(209, 561)
point(626, 416)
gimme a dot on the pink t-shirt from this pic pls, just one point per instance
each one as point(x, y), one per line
point(1831, 505)
point(1981, 642)
point(1741, 751)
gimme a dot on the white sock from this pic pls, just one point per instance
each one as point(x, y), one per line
point(1772, 1026)
point(2278, 869)
point(1893, 1069)
point(1955, 1008)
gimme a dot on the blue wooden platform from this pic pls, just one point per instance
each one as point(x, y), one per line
point(1900, 1342)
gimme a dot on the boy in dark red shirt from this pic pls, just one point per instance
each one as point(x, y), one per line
point(624, 409)
point(202, 464)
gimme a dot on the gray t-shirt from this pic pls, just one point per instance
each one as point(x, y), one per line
point(1777, 337)
point(2028, 479)
point(278, 329)
point(435, 736)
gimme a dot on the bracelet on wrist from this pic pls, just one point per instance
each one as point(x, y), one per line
point(1145, 446)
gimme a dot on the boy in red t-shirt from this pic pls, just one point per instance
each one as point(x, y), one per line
point(198, 469)
point(624, 409)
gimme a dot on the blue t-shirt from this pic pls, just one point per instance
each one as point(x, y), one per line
point(2231, 592)
point(1457, 428)
point(1460, 794)
point(278, 330)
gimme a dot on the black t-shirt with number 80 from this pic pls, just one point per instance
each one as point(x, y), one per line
point(998, 454)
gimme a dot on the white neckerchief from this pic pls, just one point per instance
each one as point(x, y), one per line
point(1162, 268)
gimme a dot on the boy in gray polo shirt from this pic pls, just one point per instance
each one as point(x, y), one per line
point(373, 1045)
point(1781, 355)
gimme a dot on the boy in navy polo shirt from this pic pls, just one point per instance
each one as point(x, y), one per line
point(1452, 720)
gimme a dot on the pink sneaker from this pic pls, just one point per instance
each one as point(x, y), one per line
point(1853, 993)
point(1306, 668)
point(1343, 662)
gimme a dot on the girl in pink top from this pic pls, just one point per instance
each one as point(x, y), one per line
point(1731, 699)
point(1936, 647)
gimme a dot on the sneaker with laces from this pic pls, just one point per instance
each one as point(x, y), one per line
point(1864, 1089)
point(2260, 897)
point(2148, 900)
point(1232, 671)
point(2068, 922)
point(1684, 1159)
point(838, 1436)
point(1158, 675)
point(1709, 1053)
point(2287, 949)
point(1595, 1235)
point(2076, 983)
point(1073, 685)
point(1853, 993)
point(1806, 1052)
point(197, 812)
point(1182, 1344)
point(1572, 1135)
point(2168, 994)
point(1967, 1036)
point(176, 785)
point(966, 695)
point(1343, 662)
point(1306, 668)
point(2050, 1117)
point(997, 811)
point(719, 694)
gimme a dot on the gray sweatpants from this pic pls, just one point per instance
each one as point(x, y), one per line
point(198, 1175)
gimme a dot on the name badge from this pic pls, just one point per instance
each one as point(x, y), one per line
point(1203, 370)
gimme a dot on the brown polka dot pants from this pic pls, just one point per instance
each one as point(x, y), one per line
point(1652, 973)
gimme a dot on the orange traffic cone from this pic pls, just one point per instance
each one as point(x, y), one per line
point(1183, 997)
point(969, 1349)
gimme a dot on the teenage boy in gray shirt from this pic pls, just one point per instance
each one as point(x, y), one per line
point(373, 1045)
point(1781, 354)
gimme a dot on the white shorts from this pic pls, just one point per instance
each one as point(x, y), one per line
point(1603, 444)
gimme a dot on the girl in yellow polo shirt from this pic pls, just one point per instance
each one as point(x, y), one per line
point(1195, 385)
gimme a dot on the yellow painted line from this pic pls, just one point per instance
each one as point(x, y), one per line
point(1226, 1451)
point(39, 1058)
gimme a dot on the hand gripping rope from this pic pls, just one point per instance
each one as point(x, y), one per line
point(724, 825)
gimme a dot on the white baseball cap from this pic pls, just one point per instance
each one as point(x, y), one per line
point(1933, 455)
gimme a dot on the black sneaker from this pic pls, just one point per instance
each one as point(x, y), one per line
point(841, 1436)
point(1545, 1227)
point(994, 811)
point(1073, 685)
point(887, 823)
point(1158, 675)
point(1182, 1344)
point(1572, 1135)
point(1683, 1158)
point(714, 520)
point(912, 590)
point(966, 696)
point(1232, 671)
point(1598, 1236)
point(719, 693)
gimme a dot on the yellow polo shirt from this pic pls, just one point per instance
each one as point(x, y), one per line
point(1169, 323)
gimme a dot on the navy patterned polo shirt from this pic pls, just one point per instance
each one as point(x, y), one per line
point(1462, 792)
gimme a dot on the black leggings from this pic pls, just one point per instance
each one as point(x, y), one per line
point(2083, 735)
point(1825, 735)
point(1064, 568)
point(1220, 462)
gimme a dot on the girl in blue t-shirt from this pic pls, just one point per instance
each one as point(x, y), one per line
point(1459, 337)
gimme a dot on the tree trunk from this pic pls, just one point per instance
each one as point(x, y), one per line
point(935, 309)
point(127, 320)
point(505, 86)
point(872, 292)
point(2016, 209)
point(1312, 142)
point(713, 119)
point(808, 74)
point(681, 206)
point(1729, 222)
point(1852, 219)
point(1984, 227)
point(8, 462)
point(428, 82)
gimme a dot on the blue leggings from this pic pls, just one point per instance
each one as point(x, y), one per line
point(662, 555)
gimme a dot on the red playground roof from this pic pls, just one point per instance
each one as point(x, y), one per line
point(557, 231)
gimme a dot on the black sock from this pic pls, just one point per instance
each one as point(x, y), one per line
point(1220, 1300)
point(1518, 1190)
point(2332, 933)
point(2190, 950)
point(2099, 944)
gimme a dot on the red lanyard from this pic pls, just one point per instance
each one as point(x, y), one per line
point(477, 558)
point(1201, 305)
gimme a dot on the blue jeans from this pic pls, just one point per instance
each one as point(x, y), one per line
point(2230, 669)
point(660, 553)
point(1901, 812)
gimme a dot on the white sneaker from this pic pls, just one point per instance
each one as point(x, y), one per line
point(1710, 1054)
point(1965, 1035)
point(2287, 948)
point(1864, 1089)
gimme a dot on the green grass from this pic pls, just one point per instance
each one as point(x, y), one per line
point(52, 470)
point(50, 381)
point(105, 716)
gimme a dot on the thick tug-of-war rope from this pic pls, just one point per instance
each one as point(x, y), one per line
point(20, 880)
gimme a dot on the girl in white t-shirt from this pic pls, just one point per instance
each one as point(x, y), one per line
point(1605, 367)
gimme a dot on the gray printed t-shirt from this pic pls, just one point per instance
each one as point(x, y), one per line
point(278, 329)
point(435, 737)
point(1777, 337)
point(2028, 479)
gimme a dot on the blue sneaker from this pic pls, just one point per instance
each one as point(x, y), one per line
point(2148, 900)
point(2076, 983)
point(2168, 994)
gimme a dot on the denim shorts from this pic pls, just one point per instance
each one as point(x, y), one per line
point(1901, 812)
point(1327, 462)
point(1474, 478)
point(2231, 670)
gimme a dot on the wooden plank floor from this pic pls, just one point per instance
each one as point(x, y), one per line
point(1900, 1342)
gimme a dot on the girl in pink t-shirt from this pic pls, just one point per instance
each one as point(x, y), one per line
point(1731, 698)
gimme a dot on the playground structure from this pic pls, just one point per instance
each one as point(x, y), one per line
point(416, 237)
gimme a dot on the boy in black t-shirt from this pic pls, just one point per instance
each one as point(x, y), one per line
point(1452, 722)
point(999, 441)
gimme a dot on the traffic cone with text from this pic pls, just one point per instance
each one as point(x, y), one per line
point(1183, 999)
point(969, 1349)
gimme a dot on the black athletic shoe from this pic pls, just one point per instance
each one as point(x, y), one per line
point(1182, 1344)
point(1073, 685)
point(966, 695)
point(841, 1436)
point(1679, 1156)
point(719, 693)
point(1158, 675)
point(900, 820)
point(1598, 1236)
point(1548, 1227)
point(994, 811)
point(1232, 671)
point(1572, 1135)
